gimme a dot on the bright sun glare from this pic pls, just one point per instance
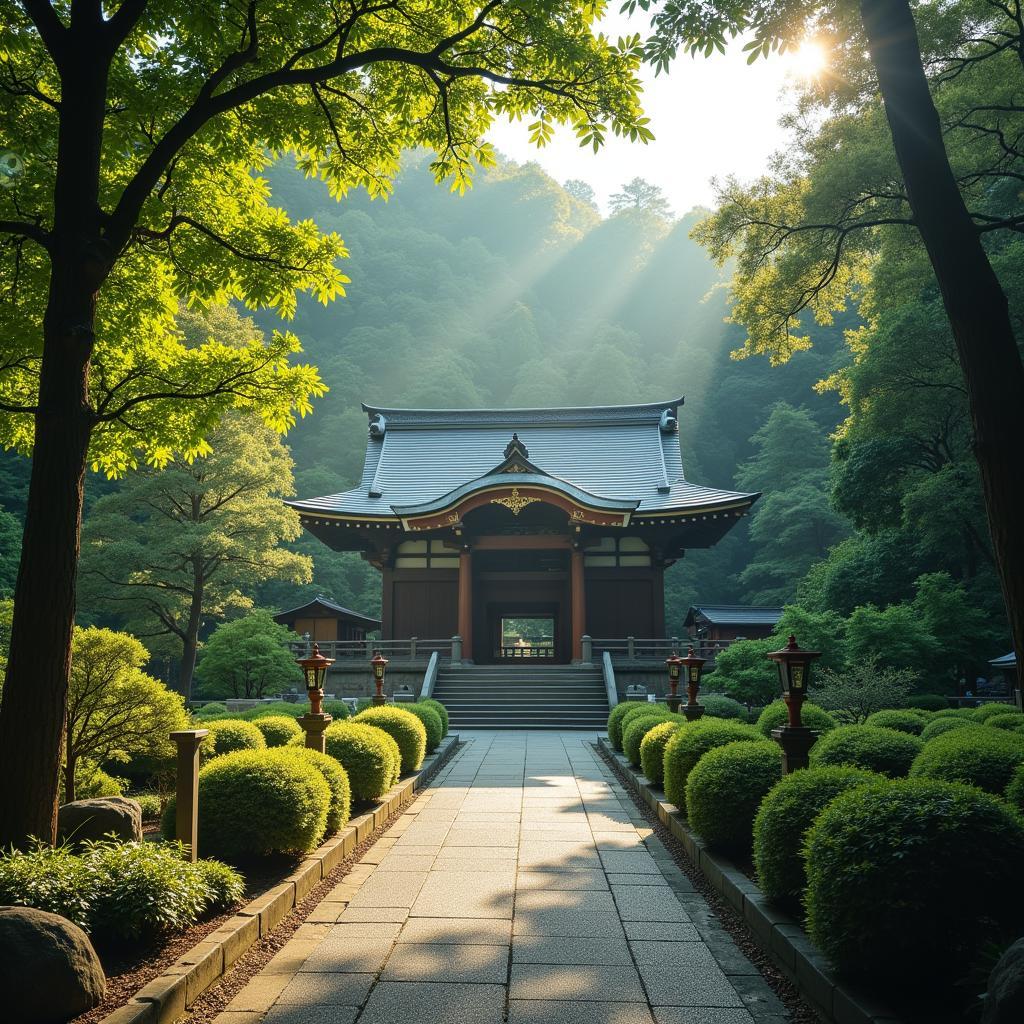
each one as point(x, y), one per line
point(809, 59)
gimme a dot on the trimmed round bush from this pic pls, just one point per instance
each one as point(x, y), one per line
point(987, 711)
point(213, 707)
point(652, 749)
point(928, 702)
point(725, 789)
point(954, 713)
point(254, 803)
point(293, 709)
point(688, 745)
point(277, 729)
point(337, 709)
point(1015, 790)
point(369, 755)
point(887, 890)
point(440, 709)
point(901, 721)
point(777, 714)
point(1012, 721)
point(404, 728)
point(431, 722)
point(621, 713)
point(946, 723)
point(866, 746)
point(637, 727)
point(986, 758)
point(337, 780)
point(230, 734)
point(784, 817)
point(717, 705)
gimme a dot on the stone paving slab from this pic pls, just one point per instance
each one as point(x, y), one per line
point(521, 887)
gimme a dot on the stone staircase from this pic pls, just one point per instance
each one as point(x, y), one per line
point(523, 697)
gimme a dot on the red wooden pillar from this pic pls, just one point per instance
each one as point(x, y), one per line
point(466, 602)
point(579, 605)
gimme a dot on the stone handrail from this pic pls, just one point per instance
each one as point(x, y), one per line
point(429, 677)
point(609, 680)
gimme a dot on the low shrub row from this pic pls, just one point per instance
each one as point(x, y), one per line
point(119, 891)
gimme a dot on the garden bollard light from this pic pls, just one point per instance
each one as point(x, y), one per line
point(379, 664)
point(186, 794)
point(796, 740)
point(315, 721)
point(694, 670)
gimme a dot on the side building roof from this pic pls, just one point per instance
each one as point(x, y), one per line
point(733, 615)
point(615, 457)
point(320, 607)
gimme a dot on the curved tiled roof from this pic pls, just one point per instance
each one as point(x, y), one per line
point(414, 457)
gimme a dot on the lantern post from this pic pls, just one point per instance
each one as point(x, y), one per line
point(379, 665)
point(674, 664)
point(794, 665)
point(694, 671)
point(315, 721)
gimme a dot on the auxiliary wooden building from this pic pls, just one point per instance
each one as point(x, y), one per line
point(521, 530)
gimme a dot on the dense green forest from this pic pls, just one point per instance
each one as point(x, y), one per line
point(519, 293)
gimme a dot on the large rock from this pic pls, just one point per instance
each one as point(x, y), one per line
point(49, 971)
point(1004, 1001)
point(96, 818)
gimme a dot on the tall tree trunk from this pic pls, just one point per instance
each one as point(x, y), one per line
point(974, 299)
point(70, 767)
point(190, 641)
point(35, 691)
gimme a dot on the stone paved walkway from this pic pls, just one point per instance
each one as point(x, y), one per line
point(523, 885)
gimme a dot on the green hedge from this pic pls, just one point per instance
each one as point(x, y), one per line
point(866, 746)
point(652, 748)
point(277, 730)
point(1012, 721)
point(901, 721)
point(1015, 790)
point(908, 880)
point(717, 705)
point(986, 758)
point(784, 817)
point(986, 711)
point(230, 734)
point(369, 755)
point(777, 714)
point(212, 707)
point(725, 789)
point(928, 702)
point(440, 709)
point(337, 709)
point(637, 727)
point(954, 713)
point(431, 722)
point(688, 745)
point(293, 709)
point(254, 803)
point(337, 780)
point(404, 728)
point(118, 891)
point(622, 712)
point(947, 723)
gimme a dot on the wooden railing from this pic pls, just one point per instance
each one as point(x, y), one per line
point(655, 649)
point(527, 651)
point(349, 651)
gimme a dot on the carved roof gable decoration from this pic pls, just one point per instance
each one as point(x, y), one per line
point(517, 459)
point(516, 446)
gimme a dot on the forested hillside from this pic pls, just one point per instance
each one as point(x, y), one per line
point(519, 293)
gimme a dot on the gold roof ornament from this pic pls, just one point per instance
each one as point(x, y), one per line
point(515, 502)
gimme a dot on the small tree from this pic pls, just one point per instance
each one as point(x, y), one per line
point(580, 190)
point(743, 671)
point(863, 689)
point(115, 710)
point(174, 548)
point(641, 195)
point(248, 658)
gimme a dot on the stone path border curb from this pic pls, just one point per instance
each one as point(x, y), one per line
point(778, 934)
point(168, 997)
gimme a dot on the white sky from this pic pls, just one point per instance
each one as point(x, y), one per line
point(710, 116)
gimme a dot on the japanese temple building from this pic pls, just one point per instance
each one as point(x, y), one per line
point(522, 530)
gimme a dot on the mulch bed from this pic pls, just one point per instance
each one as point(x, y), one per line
point(731, 921)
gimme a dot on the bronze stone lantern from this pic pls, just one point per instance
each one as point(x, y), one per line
point(314, 668)
point(694, 671)
point(794, 665)
point(379, 665)
point(674, 664)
